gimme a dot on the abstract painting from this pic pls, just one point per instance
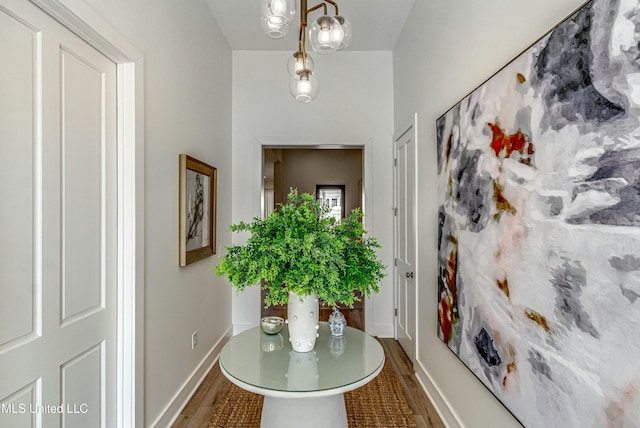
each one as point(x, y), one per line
point(197, 210)
point(539, 225)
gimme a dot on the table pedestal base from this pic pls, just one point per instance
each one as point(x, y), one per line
point(314, 412)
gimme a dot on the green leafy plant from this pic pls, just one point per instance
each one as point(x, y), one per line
point(298, 248)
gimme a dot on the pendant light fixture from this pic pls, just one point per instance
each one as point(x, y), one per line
point(327, 34)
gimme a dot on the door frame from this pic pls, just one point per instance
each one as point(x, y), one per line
point(278, 310)
point(409, 125)
point(78, 17)
point(367, 191)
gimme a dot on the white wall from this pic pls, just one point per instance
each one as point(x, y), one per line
point(447, 49)
point(187, 105)
point(355, 106)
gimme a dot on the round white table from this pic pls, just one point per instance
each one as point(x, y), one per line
point(302, 389)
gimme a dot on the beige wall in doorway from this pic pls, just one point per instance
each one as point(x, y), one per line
point(305, 168)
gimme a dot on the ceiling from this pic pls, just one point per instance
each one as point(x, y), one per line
point(376, 24)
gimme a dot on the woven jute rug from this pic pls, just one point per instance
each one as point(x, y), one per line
point(378, 404)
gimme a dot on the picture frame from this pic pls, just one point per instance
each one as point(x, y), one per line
point(197, 210)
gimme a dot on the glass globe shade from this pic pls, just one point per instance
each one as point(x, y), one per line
point(274, 31)
point(295, 63)
point(304, 86)
point(326, 35)
point(278, 12)
point(346, 28)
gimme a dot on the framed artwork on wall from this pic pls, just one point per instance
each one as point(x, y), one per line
point(197, 215)
point(539, 225)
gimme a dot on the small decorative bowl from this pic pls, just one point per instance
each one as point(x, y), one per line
point(271, 325)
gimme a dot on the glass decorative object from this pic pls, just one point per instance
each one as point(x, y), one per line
point(271, 325)
point(337, 323)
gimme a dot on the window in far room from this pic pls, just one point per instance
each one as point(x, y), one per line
point(332, 196)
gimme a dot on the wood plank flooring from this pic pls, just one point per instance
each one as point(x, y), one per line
point(199, 409)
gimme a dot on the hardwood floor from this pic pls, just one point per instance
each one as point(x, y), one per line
point(424, 413)
point(199, 409)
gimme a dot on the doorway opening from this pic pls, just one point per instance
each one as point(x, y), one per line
point(334, 174)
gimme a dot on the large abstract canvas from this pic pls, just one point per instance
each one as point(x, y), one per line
point(539, 225)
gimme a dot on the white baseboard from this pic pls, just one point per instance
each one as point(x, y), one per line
point(184, 394)
point(383, 331)
point(441, 404)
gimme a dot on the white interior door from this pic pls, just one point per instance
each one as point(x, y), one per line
point(58, 223)
point(405, 238)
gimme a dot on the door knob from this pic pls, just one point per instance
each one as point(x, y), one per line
point(409, 274)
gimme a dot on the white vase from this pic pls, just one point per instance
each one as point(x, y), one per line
point(303, 321)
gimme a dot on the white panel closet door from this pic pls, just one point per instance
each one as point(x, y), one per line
point(405, 239)
point(58, 222)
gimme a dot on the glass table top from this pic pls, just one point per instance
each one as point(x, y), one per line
point(268, 361)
